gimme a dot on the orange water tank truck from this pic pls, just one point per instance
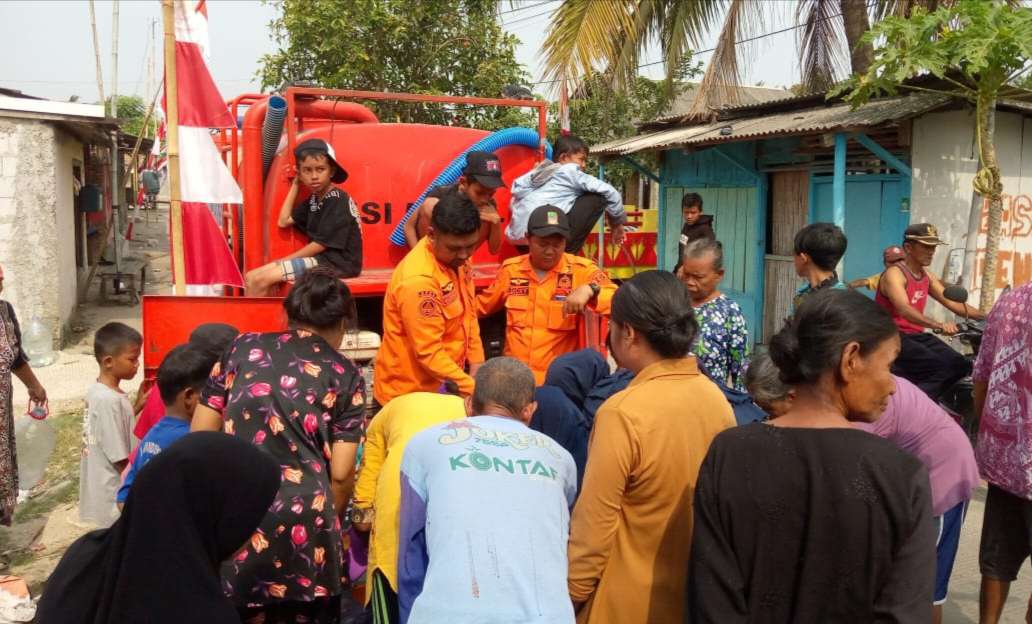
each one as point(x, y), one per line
point(389, 164)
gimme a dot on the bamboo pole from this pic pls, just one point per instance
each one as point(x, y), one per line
point(96, 54)
point(172, 95)
point(117, 181)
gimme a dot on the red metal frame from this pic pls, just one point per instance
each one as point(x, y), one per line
point(293, 92)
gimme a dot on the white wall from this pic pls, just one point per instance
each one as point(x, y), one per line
point(68, 150)
point(37, 244)
point(944, 160)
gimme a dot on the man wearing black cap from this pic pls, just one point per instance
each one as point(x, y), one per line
point(544, 292)
point(481, 177)
point(924, 360)
point(328, 217)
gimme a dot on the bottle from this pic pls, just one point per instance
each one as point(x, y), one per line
point(38, 343)
point(35, 439)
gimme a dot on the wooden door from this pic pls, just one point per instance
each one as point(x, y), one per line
point(789, 208)
point(737, 227)
point(875, 219)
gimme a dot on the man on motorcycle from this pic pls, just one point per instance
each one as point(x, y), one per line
point(925, 360)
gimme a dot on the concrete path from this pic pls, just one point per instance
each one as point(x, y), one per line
point(962, 605)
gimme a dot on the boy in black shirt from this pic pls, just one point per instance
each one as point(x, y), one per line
point(328, 217)
point(696, 225)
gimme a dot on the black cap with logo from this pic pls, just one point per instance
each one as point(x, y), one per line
point(923, 233)
point(548, 220)
point(485, 168)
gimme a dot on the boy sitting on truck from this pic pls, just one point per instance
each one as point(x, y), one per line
point(328, 217)
point(481, 177)
point(564, 184)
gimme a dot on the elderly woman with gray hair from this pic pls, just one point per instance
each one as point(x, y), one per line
point(722, 346)
point(764, 385)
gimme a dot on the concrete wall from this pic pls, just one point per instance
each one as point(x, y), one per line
point(68, 150)
point(37, 244)
point(945, 160)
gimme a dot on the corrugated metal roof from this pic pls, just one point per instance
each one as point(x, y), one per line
point(817, 119)
point(747, 96)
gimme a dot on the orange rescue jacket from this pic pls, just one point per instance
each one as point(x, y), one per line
point(430, 327)
point(537, 331)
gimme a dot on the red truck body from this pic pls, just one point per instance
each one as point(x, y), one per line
point(389, 166)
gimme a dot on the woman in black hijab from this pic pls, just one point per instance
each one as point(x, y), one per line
point(190, 508)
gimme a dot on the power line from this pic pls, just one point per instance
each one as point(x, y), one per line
point(524, 7)
point(527, 18)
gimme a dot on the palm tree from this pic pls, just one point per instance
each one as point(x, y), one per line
point(585, 36)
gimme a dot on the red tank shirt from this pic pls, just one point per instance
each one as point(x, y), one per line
point(917, 294)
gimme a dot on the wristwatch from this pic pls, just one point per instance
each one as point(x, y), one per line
point(359, 516)
point(595, 289)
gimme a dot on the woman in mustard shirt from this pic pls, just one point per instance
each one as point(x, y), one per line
point(631, 526)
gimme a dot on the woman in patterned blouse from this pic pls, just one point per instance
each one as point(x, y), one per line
point(722, 346)
point(293, 396)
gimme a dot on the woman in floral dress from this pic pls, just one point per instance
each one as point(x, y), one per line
point(12, 360)
point(722, 346)
point(293, 395)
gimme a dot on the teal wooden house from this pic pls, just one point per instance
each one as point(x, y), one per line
point(766, 170)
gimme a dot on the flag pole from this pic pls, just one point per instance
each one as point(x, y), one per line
point(172, 125)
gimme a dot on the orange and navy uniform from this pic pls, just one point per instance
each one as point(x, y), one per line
point(430, 327)
point(537, 331)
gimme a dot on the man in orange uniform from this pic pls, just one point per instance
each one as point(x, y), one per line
point(430, 328)
point(543, 293)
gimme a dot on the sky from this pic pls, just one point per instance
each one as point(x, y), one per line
point(46, 48)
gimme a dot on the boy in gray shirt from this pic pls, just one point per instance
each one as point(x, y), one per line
point(108, 423)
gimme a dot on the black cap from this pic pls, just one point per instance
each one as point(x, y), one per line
point(548, 220)
point(485, 168)
point(923, 233)
point(318, 145)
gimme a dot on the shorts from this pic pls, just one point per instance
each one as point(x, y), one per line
point(295, 268)
point(1006, 535)
point(947, 527)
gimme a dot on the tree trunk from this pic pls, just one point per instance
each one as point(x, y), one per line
point(856, 23)
point(987, 182)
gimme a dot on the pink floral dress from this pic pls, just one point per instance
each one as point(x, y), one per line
point(292, 395)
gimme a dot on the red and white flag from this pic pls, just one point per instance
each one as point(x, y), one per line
point(203, 176)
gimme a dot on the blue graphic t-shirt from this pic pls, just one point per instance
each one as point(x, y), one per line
point(160, 437)
point(485, 515)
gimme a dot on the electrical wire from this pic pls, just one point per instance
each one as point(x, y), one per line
point(524, 7)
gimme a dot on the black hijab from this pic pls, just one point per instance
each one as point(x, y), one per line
point(191, 507)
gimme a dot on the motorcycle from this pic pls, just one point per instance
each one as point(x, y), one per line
point(958, 400)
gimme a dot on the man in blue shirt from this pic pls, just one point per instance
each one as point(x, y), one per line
point(181, 377)
point(485, 512)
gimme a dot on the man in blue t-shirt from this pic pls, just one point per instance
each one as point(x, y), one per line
point(181, 377)
point(485, 512)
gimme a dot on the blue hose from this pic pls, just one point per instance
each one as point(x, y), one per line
point(272, 130)
point(490, 143)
